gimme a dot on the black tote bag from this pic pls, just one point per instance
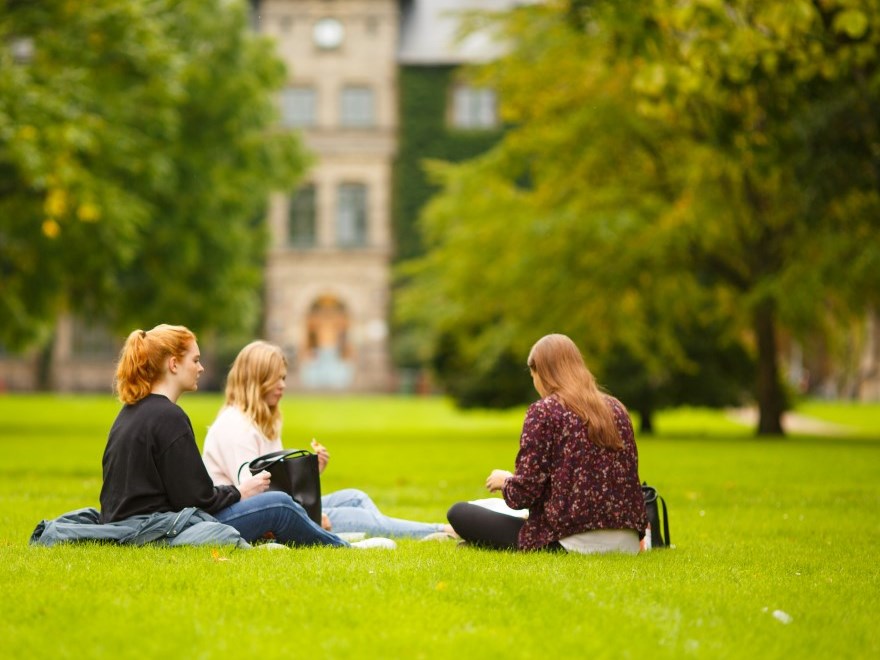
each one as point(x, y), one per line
point(659, 535)
point(295, 472)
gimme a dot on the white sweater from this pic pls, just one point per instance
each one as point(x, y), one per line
point(233, 440)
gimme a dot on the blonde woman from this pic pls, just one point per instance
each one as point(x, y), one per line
point(577, 468)
point(151, 463)
point(249, 425)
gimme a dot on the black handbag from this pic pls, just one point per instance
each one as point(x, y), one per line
point(295, 472)
point(659, 539)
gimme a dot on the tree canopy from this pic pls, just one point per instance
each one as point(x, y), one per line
point(669, 165)
point(138, 146)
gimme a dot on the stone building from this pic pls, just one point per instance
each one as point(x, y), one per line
point(328, 274)
point(328, 270)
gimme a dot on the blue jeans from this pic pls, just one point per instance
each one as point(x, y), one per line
point(277, 513)
point(352, 510)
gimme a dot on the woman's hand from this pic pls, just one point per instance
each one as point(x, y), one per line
point(495, 481)
point(323, 455)
point(259, 483)
point(325, 522)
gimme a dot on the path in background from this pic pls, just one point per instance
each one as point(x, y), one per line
point(792, 422)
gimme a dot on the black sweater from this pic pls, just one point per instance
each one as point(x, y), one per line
point(152, 464)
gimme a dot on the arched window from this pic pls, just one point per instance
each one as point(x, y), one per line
point(326, 362)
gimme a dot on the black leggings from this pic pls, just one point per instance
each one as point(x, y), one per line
point(483, 527)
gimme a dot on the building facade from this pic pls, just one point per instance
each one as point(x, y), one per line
point(328, 279)
point(328, 269)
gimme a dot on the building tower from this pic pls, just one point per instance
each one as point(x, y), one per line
point(328, 268)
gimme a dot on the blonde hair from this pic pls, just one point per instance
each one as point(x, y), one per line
point(142, 359)
point(562, 373)
point(255, 371)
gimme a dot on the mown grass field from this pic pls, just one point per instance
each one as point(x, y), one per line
point(785, 526)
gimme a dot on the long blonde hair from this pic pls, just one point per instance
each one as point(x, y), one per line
point(255, 371)
point(562, 373)
point(142, 359)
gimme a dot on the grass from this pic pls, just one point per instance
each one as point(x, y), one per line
point(860, 419)
point(758, 525)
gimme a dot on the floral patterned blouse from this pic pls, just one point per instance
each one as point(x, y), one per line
point(569, 484)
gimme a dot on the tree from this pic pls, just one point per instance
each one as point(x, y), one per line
point(137, 150)
point(750, 84)
point(718, 372)
point(660, 174)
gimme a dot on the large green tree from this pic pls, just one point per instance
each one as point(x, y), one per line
point(138, 145)
point(669, 163)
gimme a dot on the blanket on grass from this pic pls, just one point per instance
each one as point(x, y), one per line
point(190, 526)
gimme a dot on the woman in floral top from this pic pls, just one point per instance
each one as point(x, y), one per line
point(576, 470)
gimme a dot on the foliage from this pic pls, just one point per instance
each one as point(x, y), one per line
point(137, 150)
point(425, 133)
point(758, 527)
point(671, 165)
point(501, 383)
point(717, 372)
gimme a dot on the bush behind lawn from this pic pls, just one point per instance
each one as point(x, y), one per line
point(760, 527)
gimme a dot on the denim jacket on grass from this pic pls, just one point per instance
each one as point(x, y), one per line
point(190, 526)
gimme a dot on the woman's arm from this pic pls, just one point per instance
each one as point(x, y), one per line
point(496, 480)
point(323, 455)
point(532, 474)
point(187, 481)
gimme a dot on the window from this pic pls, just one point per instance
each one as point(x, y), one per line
point(301, 218)
point(298, 106)
point(357, 107)
point(254, 14)
point(351, 215)
point(474, 107)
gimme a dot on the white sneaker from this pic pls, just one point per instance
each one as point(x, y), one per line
point(375, 542)
point(271, 546)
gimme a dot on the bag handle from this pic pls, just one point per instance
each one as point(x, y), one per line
point(665, 522)
point(266, 461)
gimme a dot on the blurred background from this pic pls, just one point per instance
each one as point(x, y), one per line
point(406, 194)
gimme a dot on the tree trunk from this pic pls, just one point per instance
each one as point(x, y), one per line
point(771, 397)
point(43, 366)
point(646, 421)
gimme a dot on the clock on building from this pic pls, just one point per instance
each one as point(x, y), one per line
point(328, 33)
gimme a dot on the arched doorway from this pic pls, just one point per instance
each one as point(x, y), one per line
point(327, 359)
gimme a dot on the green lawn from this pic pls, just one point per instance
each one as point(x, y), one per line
point(759, 526)
point(860, 419)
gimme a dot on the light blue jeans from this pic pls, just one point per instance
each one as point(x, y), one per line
point(352, 510)
point(276, 512)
